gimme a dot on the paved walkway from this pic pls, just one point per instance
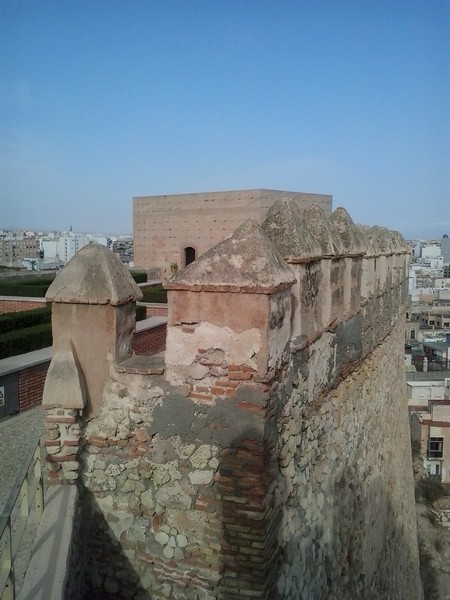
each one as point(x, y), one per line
point(17, 435)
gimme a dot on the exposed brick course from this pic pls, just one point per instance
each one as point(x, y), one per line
point(17, 305)
point(150, 341)
point(31, 386)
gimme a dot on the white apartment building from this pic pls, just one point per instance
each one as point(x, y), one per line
point(431, 251)
point(430, 426)
point(67, 245)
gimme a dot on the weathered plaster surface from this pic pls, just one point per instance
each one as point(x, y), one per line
point(243, 348)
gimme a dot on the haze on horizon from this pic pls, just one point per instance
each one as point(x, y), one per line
point(100, 102)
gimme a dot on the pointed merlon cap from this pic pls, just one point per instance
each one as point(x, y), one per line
point(398, 242)
point(246, 261)
point(371, 244)
point(378, 240)
point(64, 385)
point(323, 231)
point(286, 228)
point(351, 236)
point(94, 276)
point(382, 238)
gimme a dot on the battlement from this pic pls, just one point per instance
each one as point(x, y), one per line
point(267, 454)
point(238, 308)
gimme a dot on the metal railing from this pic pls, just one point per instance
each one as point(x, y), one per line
point(27, 494)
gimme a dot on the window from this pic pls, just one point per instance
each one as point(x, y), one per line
point(435, 447)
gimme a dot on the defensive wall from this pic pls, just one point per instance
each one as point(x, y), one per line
point(267, 454)
point(181, 227)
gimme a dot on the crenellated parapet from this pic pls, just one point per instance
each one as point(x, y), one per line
point(341, 269)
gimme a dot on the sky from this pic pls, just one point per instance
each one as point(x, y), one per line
point(103, 100)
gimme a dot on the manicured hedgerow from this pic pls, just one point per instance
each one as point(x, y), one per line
point(20, 341)
point(25, 318)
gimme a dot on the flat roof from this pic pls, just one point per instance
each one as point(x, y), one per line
point(437, 345)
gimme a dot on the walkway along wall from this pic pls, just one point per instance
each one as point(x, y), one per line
point(268, 456)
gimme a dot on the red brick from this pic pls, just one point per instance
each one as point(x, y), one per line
point(48, 443)
point(227, 383)
point(239, 375)
point(218, 391)
point(201, 396)
point(60, 457)
point(98, 442)
point(202, 388)
point(71, 442)
point(51, 419)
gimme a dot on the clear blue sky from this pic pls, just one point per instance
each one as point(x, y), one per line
point(103, 100)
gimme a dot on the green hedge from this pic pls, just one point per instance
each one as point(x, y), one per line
point(20, 289)
point(154, 295)
point(25, 340)
point(32, 330)
point(37, 288)
point(39, 281)
point(26, 318)
point(139, 276)
point(141, 313)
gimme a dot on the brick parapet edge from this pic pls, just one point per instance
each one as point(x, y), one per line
point(31, 385)
point(19, 305)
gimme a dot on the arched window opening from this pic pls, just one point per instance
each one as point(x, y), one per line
point(189, 255)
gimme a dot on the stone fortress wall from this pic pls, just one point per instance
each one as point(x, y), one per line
point(163, 226)
point(267, 455)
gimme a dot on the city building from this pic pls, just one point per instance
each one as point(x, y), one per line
point(445, 248)
point(61, 248)
point(123, 247)
point(15, 246)
point(430, 426)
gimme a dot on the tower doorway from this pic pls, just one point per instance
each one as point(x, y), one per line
point(189, 255)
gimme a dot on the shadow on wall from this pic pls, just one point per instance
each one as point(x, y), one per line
point(245, 547)
point(366, 539)
point(349, 548)
point(357, 552)
point(99, 559)
point(250, 520)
